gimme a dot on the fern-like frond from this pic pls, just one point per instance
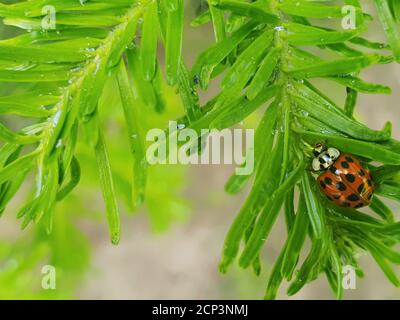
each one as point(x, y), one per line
point(265, 57)
point(66, 68)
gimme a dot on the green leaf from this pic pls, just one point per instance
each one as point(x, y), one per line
point(295, 240)
point(253, 10)
point(35, 8)
point(201, 19)
point(303, 275)
point(189, 97)
point(337, 263)
point(368, 44)
point(263, 73)
point(247, 62)
point(309, 92)
point(10, 189)
point(385, 267)
point(375, 151)
point(351, 101)
point(24, 109)
point(145, 89)
point(63, 19)
point(158, 86)
point(217, 18)
point(314, 207)
point(11, 137)
point(256, 263)
point(381, 209)
point(75, 170)
point(8, 153)
point(107, 187)
point(290, 214)
point(388, 191)
point(374, 244)
point(173, 46)
point(354, 215)
point(384, 172)
point(275, 278)
point(35, 37)
point(213, 56)
point(342, 123)
point(311, 10)
point(139, 168)
point(35, 76)
point(316, 126)
point(395, 6)
point(390, 26)
point(241, 110)
point(122, 36)
point(362, 86)
point(332, 68)
point(298, 34)
point(48, 177)
point(23, 163)
point(148, 48)
point(42, 54)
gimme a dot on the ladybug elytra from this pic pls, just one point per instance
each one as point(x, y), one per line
point(344, 180)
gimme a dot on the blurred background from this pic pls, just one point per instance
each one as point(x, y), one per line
point(170, 249)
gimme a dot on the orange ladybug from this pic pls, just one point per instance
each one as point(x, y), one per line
point(344, 180)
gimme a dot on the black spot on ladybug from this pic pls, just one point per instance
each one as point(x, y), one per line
point(328, 181)
point(349, 159)
point(341, 186)
point(353, 197)
point(360, 188)
point(359, 205)
point(350, 177)
point(345, 164)
point(361, 173)
point(322, 184)
point(333, 169)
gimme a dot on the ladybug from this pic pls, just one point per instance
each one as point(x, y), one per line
point(344, 180)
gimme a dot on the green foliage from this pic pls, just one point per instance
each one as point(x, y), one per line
point(270, 49)
point(62, 75)
point(267, 52)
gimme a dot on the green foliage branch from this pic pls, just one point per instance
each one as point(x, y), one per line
point(62, 74)
point(262, 53)
point(267, 56)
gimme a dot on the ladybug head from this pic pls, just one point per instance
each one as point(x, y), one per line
point(324, 157)
point(319, 148)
